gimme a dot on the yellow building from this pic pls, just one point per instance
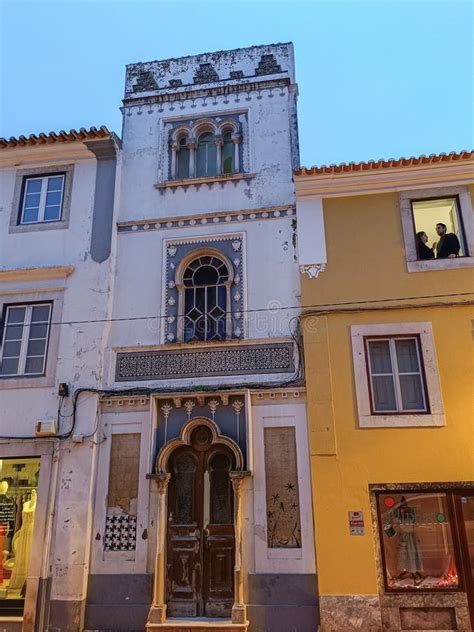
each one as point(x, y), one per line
point(388, 325)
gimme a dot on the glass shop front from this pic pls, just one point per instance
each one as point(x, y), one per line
point(18, 497)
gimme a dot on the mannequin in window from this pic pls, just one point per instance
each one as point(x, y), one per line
point(409, 555)
point(7, 517)
point(22, 543)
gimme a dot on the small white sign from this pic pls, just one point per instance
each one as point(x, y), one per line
point(356, 523)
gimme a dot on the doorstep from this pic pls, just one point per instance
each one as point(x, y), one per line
point(198, 624)
point(11, 624)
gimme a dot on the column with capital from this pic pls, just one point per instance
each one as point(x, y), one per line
point(219, 142)
point(239, 610)
point(174, 149)
point(236, 140)
point(157, 612)
point(191, 145)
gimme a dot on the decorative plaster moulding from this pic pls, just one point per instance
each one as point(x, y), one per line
point(210, 181)
point(383, 181)
point(205, 361)
point(201, 97)
point(274, 212)
point(313, 270)
point(36, 274)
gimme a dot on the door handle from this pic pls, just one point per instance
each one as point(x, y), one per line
point(206, 532)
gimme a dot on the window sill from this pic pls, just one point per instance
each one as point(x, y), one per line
point(209, 180)
point(42, 381)
point(431, 265)
point(38, 226)
point(402, 421)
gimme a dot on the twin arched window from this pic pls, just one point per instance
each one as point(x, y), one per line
point(209, 155)
point(205, 300)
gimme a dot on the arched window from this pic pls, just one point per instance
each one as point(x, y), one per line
point(182, 170)
point(206, 156)
point(206, 300)
point(228, 153)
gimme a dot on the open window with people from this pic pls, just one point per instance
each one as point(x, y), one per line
point(439, 232)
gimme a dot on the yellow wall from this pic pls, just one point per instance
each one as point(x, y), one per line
point(366, 256)
point(366, 260)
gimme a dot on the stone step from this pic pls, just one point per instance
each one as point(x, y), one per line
point(198, 625)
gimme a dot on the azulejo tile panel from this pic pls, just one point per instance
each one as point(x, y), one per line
point(120, 533)
point(202, 362)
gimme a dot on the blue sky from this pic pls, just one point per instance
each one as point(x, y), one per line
point(376, 79)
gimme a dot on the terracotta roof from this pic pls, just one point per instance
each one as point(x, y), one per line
point(372, 165)
point(52, 137)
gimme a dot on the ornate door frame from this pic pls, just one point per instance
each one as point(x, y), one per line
point(162, 477)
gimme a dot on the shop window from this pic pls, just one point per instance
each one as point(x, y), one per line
point(416, 534)
point(25, 340)
point(18, 498)
point(438, 228)
point(396, 375)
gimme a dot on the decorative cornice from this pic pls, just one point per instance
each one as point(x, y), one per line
point(280, 396)
point(104, 149)
point(388, 176)
point(36, 274)
point(167, 223)
point(313, 270)
point(121, 403)
point(185, 93)
point(208, 180)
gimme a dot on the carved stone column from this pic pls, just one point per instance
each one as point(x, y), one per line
point(239, 610)
point(236, 140)
point(174, 149)
point(192, 157)
point(157, 612)
point(219, 143)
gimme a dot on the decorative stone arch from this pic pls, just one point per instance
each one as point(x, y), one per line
point(162, 476)
point(229, 125)
point(204, 125)
point(182, 267)
point(180, 132)
point(162, 460)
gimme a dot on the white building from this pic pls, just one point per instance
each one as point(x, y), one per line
point(56, 230)
point(190, 496)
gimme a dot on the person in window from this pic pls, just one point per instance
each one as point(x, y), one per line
point(424, 251)
point(448, 246)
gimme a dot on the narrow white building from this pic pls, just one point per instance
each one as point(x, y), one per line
point(56, 230)
point(182, 495)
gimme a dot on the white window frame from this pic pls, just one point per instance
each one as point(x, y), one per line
point(42, 204)
point(25, 339)
point(367, 418)
point(395, 374)
point(465, 216)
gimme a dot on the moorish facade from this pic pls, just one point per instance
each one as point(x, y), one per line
point(174, 482)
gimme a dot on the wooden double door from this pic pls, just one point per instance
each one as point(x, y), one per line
point(200, 533)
